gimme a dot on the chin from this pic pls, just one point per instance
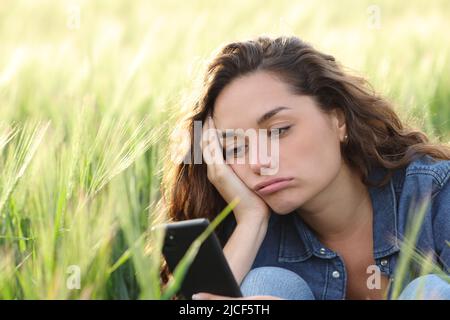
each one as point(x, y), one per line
point(286, 203)
point(283, 209)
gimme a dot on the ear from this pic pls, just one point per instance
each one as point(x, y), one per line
point(339, 124)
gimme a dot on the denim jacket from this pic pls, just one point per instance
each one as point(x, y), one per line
point(289, 243)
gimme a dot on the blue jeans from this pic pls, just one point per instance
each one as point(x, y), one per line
point(278, 282)
point(429, 287)
point(286, 284)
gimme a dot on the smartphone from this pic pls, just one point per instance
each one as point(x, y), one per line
point(209, 271)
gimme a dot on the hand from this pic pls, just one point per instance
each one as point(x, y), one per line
point(210, 296)
point(229, 185)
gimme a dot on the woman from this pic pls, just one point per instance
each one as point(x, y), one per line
point(345, 171)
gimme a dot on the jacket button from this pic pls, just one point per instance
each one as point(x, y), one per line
point(335, 274)
point(384, 262)
point(322, 251)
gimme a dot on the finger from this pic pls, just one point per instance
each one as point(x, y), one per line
point(206, 148)
point(210, 296)
point(204, 134)
point(216, 131)
point(261, 298)
point(212, 150)
point(213, 138)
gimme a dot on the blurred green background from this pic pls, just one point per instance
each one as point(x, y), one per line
point(90, 91)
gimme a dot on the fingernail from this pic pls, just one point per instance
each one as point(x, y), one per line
point(195, 297)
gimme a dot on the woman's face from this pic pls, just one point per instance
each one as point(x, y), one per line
point(309, 147)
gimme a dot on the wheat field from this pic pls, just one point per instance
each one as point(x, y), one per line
point(91, 90)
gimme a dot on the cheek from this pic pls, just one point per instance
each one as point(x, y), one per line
point(241, 170)
point(314, 151)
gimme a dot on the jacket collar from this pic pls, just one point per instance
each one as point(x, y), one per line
point(298, 242)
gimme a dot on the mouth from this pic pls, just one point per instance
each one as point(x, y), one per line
point(272, 186)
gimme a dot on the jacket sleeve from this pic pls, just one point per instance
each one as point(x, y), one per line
point(441, 225)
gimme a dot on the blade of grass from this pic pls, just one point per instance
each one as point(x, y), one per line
point(181, 269)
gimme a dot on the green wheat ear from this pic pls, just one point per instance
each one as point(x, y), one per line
point(19, 156)
point(181, 269)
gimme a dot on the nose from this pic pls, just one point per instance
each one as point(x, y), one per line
point(256, 167)
point(259, 161)
point(264, 159)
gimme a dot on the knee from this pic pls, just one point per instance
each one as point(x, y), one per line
point(275, 281)
point(427, 287)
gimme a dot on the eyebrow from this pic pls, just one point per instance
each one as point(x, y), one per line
point(265, 117)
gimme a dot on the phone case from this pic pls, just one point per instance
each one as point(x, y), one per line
point(209, 271)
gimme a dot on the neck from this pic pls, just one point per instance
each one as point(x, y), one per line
point(340, 210)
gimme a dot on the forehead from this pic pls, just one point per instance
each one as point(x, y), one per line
point(246, 98)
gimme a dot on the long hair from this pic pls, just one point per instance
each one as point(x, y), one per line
point(376, 136)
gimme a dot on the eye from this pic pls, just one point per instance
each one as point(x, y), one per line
point(236, 152)
point(278, 131)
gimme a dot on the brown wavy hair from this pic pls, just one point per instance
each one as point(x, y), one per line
point(376, 136)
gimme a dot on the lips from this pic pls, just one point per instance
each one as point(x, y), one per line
point(272, 185)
